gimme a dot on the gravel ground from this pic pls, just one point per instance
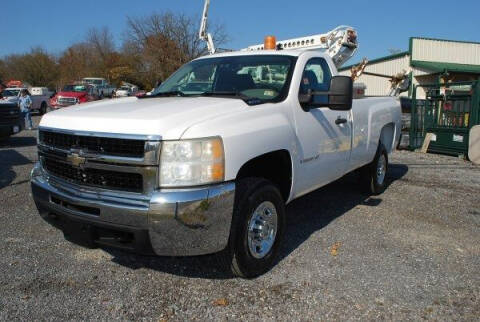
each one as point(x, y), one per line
point(411, 253)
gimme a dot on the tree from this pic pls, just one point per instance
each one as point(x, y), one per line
point(37, 68)
point(76, 63)
point(153, 47)
point(160, 43)
point(2, 70)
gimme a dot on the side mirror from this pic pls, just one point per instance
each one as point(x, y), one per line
point(339, 97)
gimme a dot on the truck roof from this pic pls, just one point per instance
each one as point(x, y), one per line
point(289, 52)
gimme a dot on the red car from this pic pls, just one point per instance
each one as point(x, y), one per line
point(73, 94)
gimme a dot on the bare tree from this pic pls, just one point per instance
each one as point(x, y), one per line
point(153, 47)
point(101, 41)
point(162, 42)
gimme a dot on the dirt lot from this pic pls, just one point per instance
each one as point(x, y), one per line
point(411, 253)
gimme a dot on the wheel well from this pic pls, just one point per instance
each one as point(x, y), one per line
point(387, 135)
point(274, 166)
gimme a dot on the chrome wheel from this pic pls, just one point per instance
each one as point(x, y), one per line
point(381, 169)
point(262, 229)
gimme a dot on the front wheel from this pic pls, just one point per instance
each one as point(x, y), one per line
point(373, 175)
point(257, 230)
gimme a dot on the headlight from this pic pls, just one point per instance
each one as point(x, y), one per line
point(192, 162)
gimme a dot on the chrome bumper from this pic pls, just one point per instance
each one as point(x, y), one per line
point(173, 222)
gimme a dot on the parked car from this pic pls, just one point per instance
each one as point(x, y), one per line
point(73, 94)
point(101, 84)
point(207, 162)
point(40, 102)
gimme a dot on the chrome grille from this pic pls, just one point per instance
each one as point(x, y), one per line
point(101, 178)
point(67, 101)
point(9, 112)
point(92, 144)
point(114, 162)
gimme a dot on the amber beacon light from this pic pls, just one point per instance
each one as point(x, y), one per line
point(270, 43)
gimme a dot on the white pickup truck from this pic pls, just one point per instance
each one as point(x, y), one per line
point(208, 162)
point(102, 86)
point(40, 98)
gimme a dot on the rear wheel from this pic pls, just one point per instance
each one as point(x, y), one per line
point(373, 175)
point(257, 230)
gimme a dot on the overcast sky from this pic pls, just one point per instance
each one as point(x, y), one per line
point(381, 24)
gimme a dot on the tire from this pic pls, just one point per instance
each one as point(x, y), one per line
point(373, 175)
point(256, 201)
point(43, 108)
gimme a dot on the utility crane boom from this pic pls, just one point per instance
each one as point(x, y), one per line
point(203, 34)
point(340, 44)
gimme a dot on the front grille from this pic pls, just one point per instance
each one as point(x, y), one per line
point(109, 146)
point(9, 111)
point(67, 101)
point(132, 182)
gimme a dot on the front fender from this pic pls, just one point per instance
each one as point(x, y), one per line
point(247, 134)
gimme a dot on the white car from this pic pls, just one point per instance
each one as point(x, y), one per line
point(208, 162)
point(40, 102)
point(125, 91)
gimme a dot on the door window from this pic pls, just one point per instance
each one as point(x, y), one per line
point(316, 77)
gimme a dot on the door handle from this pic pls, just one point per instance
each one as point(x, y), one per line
point(340, 120)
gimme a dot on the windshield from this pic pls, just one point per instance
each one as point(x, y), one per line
point(93, 81)
point(124, 88)
point(261, 77)
point(10, 92)
point(74, 88)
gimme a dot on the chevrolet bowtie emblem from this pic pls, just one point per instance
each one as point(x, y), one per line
point(76, 160)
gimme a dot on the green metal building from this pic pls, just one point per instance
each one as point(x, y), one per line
point(444, 96)
point(429, 60)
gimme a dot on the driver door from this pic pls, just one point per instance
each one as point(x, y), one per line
point(324, 134)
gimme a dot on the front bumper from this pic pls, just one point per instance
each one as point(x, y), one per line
point(168, 222)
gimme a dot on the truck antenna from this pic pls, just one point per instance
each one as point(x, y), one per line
point(203, 34)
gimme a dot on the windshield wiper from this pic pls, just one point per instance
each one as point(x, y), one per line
point(162, 94)
point(234, 94)
point(168, 94)
point(247, 99)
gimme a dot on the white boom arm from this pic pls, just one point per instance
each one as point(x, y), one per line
point(203, 34)
point(339, 43)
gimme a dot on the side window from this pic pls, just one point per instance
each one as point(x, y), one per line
point(316, 77)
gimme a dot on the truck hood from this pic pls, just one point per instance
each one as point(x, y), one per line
point(167, 117)
point(9, 99)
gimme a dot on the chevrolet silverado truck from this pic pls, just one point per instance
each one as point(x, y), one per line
point(208, 162)
point(73, 94)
